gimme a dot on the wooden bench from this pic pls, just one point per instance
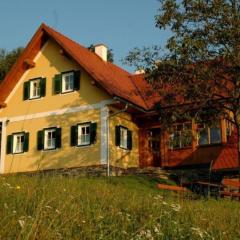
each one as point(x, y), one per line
point(172, 188)
point(231, 188)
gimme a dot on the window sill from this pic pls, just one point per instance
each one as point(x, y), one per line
point(50, 150)
point(68, 92)
point(84, 146)
point(35, 98)
point(123, 148)
point(210, 145)
point(17, 153)
point(180, 149)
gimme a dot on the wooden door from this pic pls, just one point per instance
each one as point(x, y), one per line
point(154, 137)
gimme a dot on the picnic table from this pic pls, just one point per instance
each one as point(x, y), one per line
point(231, 188)
point(227, 188)
point(205, 188)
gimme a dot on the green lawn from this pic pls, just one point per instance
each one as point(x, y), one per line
point(55, 207)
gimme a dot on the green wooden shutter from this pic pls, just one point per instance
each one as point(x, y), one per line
point(58, 137)
point(26, 90)
point(117, 135)
point(74, 135)
point(26, 142)
point(40, 140)
point(93, 132)
point(43, 87)
point(57, 84)
point(9, 144)
point(77, 75)
point(129, 140)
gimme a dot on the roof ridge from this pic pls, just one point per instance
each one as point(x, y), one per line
point(105, 62)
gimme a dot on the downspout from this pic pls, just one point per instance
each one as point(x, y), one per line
point(114, 114)
point(108, 121)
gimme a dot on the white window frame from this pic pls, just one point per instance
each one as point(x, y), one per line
point(52, 140)
point(18, 146)
point(68, 76)
point(123, 137)
point(208, 135)
point(33, 91)
point(81, 135)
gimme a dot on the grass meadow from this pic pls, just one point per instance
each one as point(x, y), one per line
point(58, 207)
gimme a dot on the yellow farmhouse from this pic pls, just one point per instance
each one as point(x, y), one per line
point(63, 106)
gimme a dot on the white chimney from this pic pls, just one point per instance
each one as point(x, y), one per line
point(101, 50)
point(139, 71)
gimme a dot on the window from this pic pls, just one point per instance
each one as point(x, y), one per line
point(209, 134)
point(83, 134)
point(180, 136)
point(67, 82)
point(34, 88)
point(229, 128)
point(49, 138)
point(123, 137)
point(17, 143)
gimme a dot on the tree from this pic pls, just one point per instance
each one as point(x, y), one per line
point(200, 67)
point(110, 55)
point(7, 59)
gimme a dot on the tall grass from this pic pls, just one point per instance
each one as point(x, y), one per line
point(56, 207)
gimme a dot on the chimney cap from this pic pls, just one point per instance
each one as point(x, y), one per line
point(139, 71)
point(100, 45)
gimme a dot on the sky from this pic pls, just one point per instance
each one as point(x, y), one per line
point(121, 25)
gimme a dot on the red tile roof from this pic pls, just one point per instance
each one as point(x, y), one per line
point(115, 80)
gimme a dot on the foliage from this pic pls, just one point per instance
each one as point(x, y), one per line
point(57, 207)
point(198, 76)
point(110, 55)
point(201, 61)
point(7, 59)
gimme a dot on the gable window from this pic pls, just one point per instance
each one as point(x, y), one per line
point(34, 88)
point(49, 139)
point(17, 143)
point(123, 137)
point(180, 136)
point(83, 134)
point(66, 82)
point(209, 134)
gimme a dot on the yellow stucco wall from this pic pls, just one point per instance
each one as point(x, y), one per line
point(120, 157)
point(49, 63)
point(64, 157)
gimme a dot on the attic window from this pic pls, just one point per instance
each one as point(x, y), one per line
point(67, 82)
point(35, 88)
